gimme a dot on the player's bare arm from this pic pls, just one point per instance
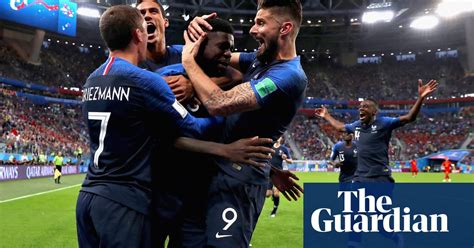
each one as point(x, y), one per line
point(217, 101)
point(286, 159)
point(241, 151)
point(423, 91)
point(323, 113)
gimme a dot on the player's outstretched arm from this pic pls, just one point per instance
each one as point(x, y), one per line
point(423, 92)
point(241, 98)
point(241, 151)
point(323, 113)
point(284, 181)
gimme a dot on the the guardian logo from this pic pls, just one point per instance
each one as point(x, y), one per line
point(368, 214)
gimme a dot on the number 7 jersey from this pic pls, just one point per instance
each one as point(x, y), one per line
point(127, 111)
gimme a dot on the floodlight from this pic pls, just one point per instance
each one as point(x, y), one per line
point(89, 12)
point(425, 22)
point(377, 16)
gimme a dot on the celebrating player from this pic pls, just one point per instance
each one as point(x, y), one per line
point(181, 212)
point(373, 133)
point(127, 109)
point(346, 152)
point(158, 54)
point(263, 105)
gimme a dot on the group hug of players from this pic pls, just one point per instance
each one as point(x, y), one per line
point(181, 136)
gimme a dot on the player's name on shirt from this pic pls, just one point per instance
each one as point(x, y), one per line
point(106, 94)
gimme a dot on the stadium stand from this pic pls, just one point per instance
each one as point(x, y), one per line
point(68, 66)
point(61, 65)
point(30, 128)
point(377, 80)
point(429, 134)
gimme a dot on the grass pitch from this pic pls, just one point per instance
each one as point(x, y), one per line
point(46, 216)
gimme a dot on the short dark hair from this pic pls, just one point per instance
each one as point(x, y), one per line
point(117, 24)
point(162, 10)
point(293, 7)
point(220, 25)
point(372, 100)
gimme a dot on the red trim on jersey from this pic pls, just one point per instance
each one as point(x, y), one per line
point(109, 64)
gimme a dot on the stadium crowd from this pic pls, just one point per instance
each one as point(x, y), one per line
point(27, 128)
point(427, 135)
point(61, 65)
point(67, 66)
point(377, 81)
point(50, 130)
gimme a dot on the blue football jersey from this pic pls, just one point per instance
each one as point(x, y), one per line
point(279, 88)
point(127, 110)
point(372, 144)
point(194, 168)
point(172, 56)
point(277, 159)
point(348, 157)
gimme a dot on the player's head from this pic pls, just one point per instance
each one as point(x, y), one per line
point(154, 15)
point(368, 110)
point(122, 27)
point(347, 137)
point(281, 140)
point(275, 20)
point(216, 50)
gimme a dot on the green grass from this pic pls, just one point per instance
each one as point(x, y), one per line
point(48, 220)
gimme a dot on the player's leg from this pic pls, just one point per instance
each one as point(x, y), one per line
point(166, 219)
point(193, 228)
point(233, 211)
point(86, 234)
point(276, 201)
point(117, 225)
point(269, 189)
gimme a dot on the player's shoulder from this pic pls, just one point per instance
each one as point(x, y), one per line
point(176, 48)
point(338, 144)
point(290, 69)
point(171, 70)
point(356, 123)
point(385, 120)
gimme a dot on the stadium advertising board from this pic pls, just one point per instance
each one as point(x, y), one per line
point(388, 215)
point(53, 15)
point(8, 172)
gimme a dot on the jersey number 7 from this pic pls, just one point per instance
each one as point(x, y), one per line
point(103, 117)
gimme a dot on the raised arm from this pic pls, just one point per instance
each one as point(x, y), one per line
point(423, 91)
point(241, 151)
point(323, 113)
point(241, 98)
